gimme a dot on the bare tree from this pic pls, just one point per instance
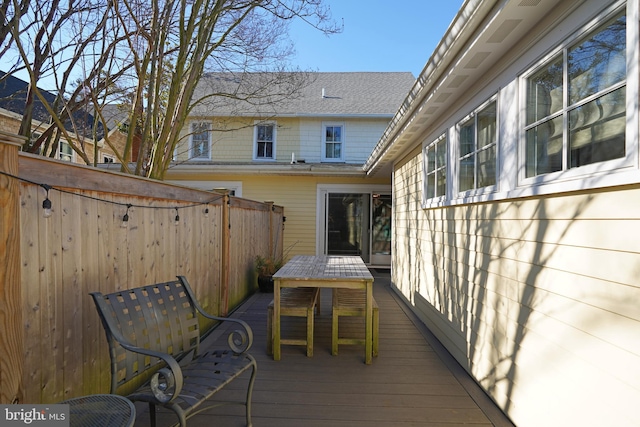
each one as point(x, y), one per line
point(152, 54)
point(175, 43)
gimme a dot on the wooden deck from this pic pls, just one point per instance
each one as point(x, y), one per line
point(413, 382)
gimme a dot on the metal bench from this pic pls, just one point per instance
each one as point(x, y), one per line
point(154, 344)
point(351, 302)
point(298, 302)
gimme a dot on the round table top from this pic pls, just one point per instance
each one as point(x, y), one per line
point(101, 410)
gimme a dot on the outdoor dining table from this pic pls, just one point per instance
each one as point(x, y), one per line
point(324, 272)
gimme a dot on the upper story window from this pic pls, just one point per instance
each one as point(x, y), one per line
point(264, 141)
point(332, 142)
point(435, 171)
point(200, 142)
point(576, 103)
point(477, 149)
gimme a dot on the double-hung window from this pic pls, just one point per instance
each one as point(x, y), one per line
point(576, 103)
point(65, 152)
point(200, 141)
point(435, 171)
point(333, 142)
point(264, 141)
point(477, 149)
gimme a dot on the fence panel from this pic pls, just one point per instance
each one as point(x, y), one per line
point(85, 246)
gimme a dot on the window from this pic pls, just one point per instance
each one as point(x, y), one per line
point(435, 158)
point(575, 110)
point(200, 143)
point(332, 142)
point(477, 149)
point(265, 141)
point(65, 152)
point(106, 158)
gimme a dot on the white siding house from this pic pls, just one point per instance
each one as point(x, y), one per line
point(516, 205)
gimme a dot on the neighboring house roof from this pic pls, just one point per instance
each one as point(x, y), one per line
point(13, 93)
point(356, 94)
point(469, 52)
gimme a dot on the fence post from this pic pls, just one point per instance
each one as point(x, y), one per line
point(11, 328)
point(226, 255)
point(272, 249)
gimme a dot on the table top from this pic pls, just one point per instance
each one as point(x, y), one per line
point(323, 267)
point(108, 410)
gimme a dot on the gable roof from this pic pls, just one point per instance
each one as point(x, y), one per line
point(13, 96)
point(354, 94)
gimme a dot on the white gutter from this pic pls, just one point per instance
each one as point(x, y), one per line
point(455, 39)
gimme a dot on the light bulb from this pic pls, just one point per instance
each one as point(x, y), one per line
point(46, 205)
point(125, 221)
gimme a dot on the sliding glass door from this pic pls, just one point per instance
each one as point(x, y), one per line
point(356, 223)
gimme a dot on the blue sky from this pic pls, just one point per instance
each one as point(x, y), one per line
point(378, 35)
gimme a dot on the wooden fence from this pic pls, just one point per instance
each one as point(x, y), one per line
point(52, 346)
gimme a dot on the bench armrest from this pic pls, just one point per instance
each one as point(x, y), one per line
point(239, 340)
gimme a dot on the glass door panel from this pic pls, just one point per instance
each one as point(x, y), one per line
point(381, 230)
point(347, 224)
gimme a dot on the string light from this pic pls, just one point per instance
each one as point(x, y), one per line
point(125, 218)
point(46, 203)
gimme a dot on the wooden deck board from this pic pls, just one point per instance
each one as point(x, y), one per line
point(409, 384)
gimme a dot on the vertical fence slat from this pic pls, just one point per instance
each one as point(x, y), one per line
point(30, 214)
point(11, 338)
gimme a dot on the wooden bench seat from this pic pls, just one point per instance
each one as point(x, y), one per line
point(351, 302)
point(154, 344)
point(297, 302)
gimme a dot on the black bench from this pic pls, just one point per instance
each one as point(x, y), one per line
point(154, 341)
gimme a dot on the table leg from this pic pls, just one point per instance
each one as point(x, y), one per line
point(368, 346)
point(276, 319)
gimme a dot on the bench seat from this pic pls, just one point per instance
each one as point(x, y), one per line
point(297, 302)
point(351, 302)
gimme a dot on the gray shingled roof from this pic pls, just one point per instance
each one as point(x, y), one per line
point(345, 94)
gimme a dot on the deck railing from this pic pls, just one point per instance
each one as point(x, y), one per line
point(106, 231)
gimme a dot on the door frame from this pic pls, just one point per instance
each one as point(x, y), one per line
point(323, 189)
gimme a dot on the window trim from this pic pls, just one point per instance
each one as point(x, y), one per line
point(192, 132)
point(455, 147)
point(273, 142)
point(511, 124)
point(323, 154)
point(71, 155)
point(630, 160)
point(437, 200)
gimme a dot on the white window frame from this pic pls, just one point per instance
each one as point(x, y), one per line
point(194, 132)
point(62, 155)
point(511, 140)
point(455, 147)
point(599, 169)
point(256, 125)
point(323, 154)
point(426, 147)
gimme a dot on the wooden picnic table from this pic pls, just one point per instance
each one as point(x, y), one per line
point(324, 272)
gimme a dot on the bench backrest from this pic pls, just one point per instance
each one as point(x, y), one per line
point(159, 317)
